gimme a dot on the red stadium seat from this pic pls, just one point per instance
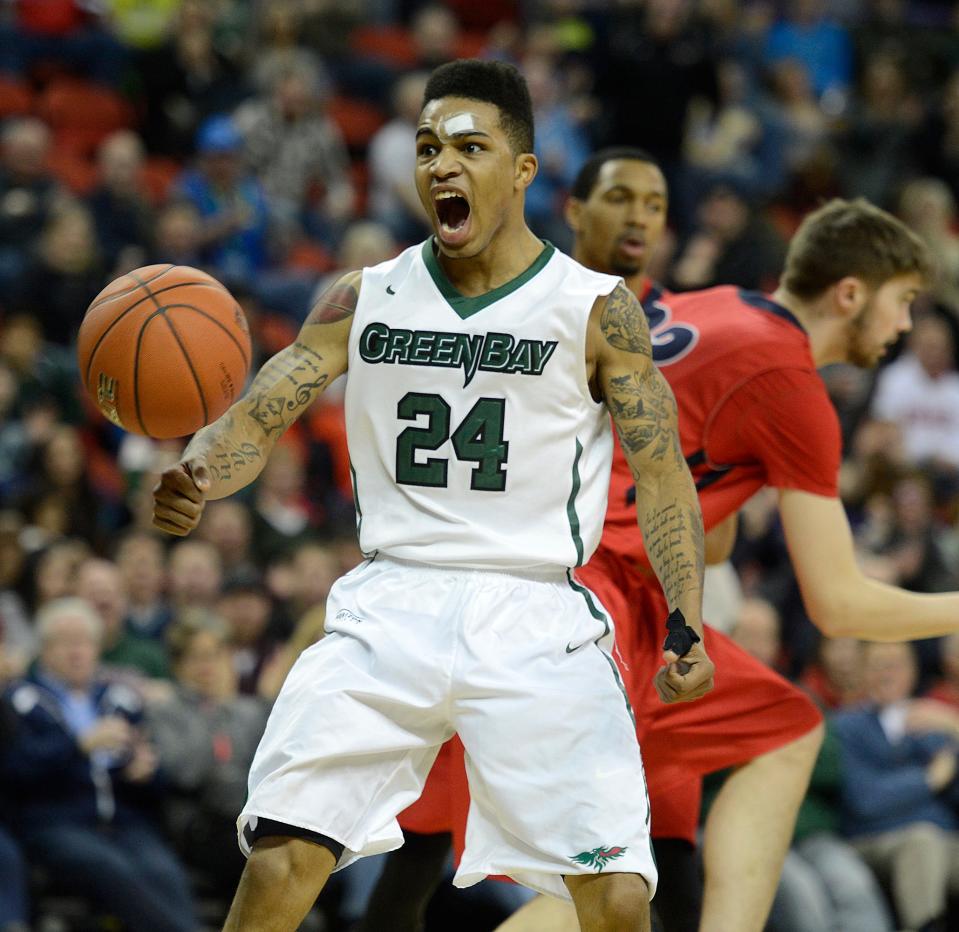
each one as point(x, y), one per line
point(390, 43)
point(82, 114)
point(357, 120)
point(16, 97)
point(470, 44)
point(72, 170)
point(158, 176)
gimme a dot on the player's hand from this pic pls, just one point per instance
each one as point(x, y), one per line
point(179, 496)
point(685, 678)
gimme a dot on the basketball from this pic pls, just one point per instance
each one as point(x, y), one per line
point(164, 350)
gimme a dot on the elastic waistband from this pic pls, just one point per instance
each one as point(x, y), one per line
point(544, 573)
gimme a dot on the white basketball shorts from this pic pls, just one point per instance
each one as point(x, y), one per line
point(519, 666)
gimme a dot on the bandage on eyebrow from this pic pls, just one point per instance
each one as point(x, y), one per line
point(458, 123)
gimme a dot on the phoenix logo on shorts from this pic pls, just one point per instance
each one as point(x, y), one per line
point(599, 857)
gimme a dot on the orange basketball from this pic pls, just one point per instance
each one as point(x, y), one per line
point(164, 350)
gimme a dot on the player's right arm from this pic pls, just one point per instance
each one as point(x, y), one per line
point(230, 453)
point(840, 600)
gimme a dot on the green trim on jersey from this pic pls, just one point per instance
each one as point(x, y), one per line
point(571, 506)
point(599, 615)
point(356, 502)
point(467, 307)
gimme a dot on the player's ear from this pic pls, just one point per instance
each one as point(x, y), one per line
point(526, 166)
point(850, 295)
point(573, 212)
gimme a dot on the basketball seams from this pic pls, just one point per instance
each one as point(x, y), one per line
point(129, 291)
point(189, 362)
point(150, 294)
point(103, 348)
point(218, 323)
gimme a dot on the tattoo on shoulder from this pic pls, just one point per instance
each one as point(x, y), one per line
point(623, 322)
point(337, 303)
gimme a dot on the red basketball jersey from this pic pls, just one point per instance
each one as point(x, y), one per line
point(753, 411)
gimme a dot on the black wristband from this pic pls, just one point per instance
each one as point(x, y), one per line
point(680, 637)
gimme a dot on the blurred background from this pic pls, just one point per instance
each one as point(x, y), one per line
point(270, 143)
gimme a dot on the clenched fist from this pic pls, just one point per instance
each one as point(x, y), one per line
point(179, 496)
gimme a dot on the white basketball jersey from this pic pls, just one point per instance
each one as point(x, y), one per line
point(473, 437)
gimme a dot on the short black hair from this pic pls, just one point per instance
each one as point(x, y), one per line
point(492, 82)
point(586, 179)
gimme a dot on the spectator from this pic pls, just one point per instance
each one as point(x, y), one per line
point(64, 275)
point(899, 786)
point(246, 606)
point(314, 570)
point(757, 631)
point(731, 244)
point(141, 560)
point(61, 500)
point(230, 202)
point(179, 235)
point(185, 81)
point(392, 158)
point(195, 575)
point(298, 154)
point(121, 214)
point(919, 393)
point(66, 31)
point(798, 126)
point(561, 146)
point(435, 33)
point(85, 780)
point(928, 206)
point(728, 139)
point(823, 47)
point(227, 525)
point(100, 583)
point(661, 55)
point(877, 139)
point(282, 514)
point(205, 736)
point(28, 193)
point(55, 570)
point(938, 144)
point(834, 678)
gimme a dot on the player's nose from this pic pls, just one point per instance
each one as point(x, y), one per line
point(446, 163)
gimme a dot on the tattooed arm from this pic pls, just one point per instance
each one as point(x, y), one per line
point(231, 452)
point(644, 413)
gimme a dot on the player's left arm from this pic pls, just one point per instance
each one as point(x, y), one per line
point(644, 413)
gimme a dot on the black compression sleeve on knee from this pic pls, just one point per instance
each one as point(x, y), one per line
point(267, 827)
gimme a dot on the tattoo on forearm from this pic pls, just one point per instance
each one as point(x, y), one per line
point(336, 304)
point(644, 412)
point(668, 532)
point(298, 367)
point(227, 463)
point(623, 322)
point(225, 456)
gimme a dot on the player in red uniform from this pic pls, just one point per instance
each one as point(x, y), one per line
point(753, 411)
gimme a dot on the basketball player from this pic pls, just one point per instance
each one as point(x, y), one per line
point(752, 411)
point(484, 366)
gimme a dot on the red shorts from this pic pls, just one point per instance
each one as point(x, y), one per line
point(750, 711)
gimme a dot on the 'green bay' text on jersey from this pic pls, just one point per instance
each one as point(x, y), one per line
point(473, 437)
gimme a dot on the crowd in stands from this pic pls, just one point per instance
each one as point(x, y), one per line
point(270, 143)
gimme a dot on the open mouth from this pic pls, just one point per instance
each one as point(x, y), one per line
point(633, 246)
point(452, 212)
